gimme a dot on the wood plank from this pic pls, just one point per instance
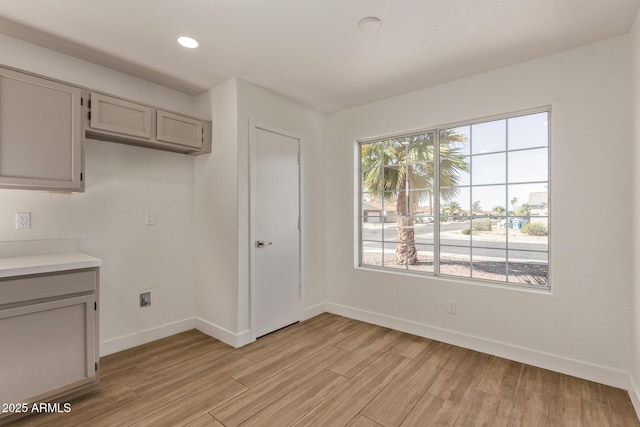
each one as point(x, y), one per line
point(484, 409)
point(500, 378)
point(300, 348)
point(194, 405)
point(438, 411)
point(360, 421)
point(378, 341)
point(584, 389)
point(259, 397)
point(205, 420)
point(584, 413)
point(459, 375)
point(539, 397)
point(345, 404)
point(409, 346)
point(295, 404)
point(192, 373)
point(362, 336)
point(396, 400)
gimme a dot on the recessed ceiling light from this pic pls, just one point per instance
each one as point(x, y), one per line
point(370, 24)
point(188, 42)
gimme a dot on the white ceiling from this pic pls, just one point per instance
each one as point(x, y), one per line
point(311, 50)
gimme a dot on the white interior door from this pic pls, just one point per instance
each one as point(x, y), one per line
point(275, 212)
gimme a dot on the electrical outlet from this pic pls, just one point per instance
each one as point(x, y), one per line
point(23, 220)
point(452, 307)
point(149, 218)
point(145, 299)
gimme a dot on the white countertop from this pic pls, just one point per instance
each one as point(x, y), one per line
point(49, 263)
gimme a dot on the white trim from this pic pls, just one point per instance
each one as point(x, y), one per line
point(313, 311)
point(565, 365)
point(115, 345)
point(634, 394)
point(226, 336)
point(253, 127)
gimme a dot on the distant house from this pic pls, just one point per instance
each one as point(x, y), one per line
point(539, 202)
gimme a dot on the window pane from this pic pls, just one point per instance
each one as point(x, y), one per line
point(371, 230)
point(390, 206)
point(455, 261)
point(396, 255)
point(455, 202)
point(489, 264)
point(424, 259)
point(455, 232)
point(420, 176)
point(455, 141)
point(489, 137)
point(528, 199)
point(403, 230)
point(528, 234)
point(489, 200)
point(489, 169)
point(528, 131)
point(488, 233)
point(420, 148)
point(528, 267)
point(424, 232)
point(370, 166)
point(371, 253)
point(529, 165)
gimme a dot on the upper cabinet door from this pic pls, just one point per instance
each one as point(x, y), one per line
point(178, 129)
point(40, 133)
point(120, 116)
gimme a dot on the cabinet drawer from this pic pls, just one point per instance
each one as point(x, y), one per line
point(120, 116)
point(178, 129)
point(29, 288)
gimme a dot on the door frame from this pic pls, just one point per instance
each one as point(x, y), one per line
point(254, 126)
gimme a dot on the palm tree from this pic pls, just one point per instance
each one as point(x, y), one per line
point(401, 171)
point(452, 208)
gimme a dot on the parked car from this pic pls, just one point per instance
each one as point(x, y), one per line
point(422, 218)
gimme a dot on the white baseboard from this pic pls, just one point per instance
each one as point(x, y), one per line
point(634, 394)
point(142, 337)
point(226, 336)
point(552, 362)
point(312, 311)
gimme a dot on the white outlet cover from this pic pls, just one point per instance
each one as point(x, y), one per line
point(23, 220)
point(149, 218)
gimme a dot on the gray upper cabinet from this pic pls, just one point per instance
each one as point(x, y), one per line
point(179, 129)
point(40, 133)
point(120, 116)
point(118, 120)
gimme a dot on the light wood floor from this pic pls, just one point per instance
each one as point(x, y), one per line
point(334, 371)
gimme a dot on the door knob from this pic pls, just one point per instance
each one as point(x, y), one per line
point(262, 244)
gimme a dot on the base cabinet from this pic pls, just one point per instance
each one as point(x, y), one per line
point(48, 331)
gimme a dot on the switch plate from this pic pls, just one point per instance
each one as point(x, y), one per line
point(149, 218)
point(452, 307)
point(23, 220)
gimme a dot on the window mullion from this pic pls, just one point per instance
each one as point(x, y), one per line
point(383, 212)
point(436, 203)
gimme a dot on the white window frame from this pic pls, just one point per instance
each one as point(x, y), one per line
point(436, 204)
